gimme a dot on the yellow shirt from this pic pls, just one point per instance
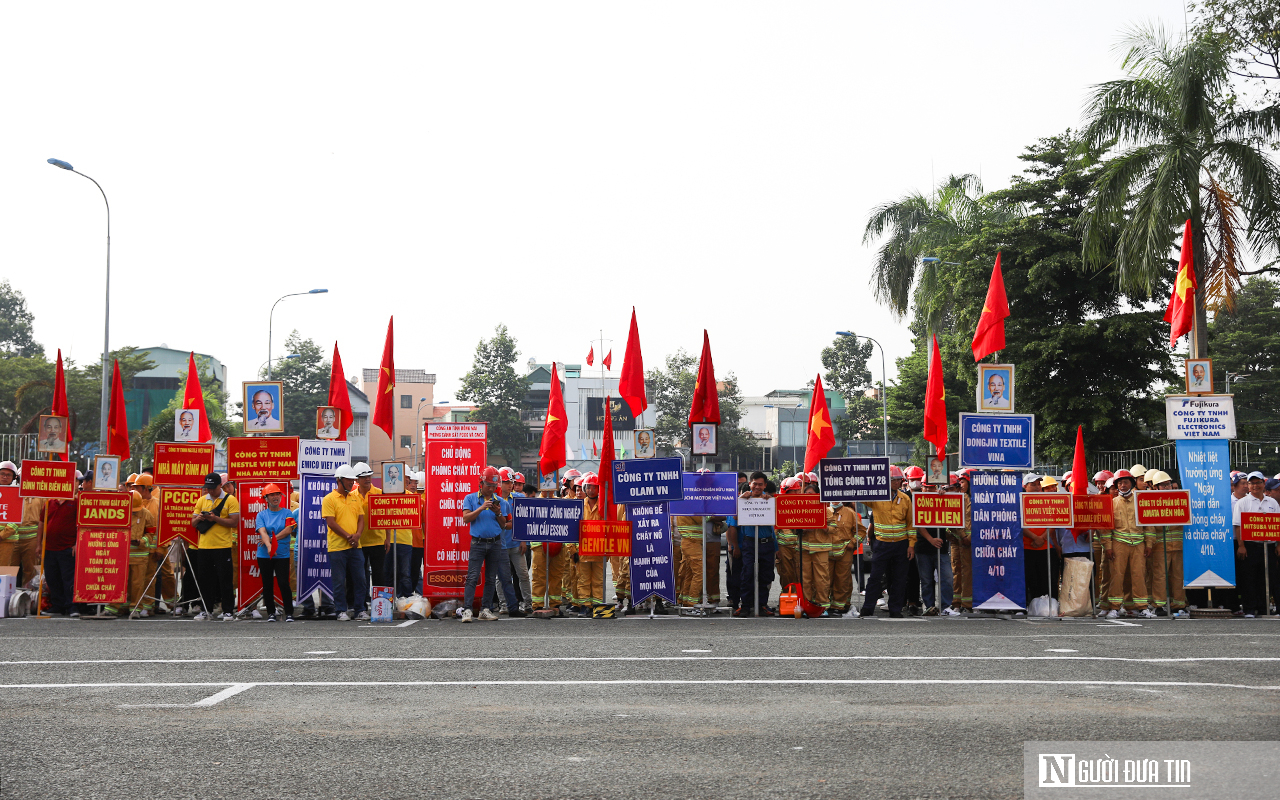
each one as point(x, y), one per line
point(346, 511)
point(892, 519)
point(218, 537)
point(371, 536)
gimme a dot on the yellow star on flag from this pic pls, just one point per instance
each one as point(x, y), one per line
point(391, 380)
point(1183, 283)
point(819, 422)
point(552, 418)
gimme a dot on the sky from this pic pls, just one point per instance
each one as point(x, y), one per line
point(546, 166)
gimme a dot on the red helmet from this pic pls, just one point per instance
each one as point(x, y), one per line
point(964, 474)
point(895, 472)
point(913, 473)
point(591, 479)
point(571, 474)
point(788, 484)
point(578, 480)
point(506, 474)
point(519, 478)
point(811, 477)
point(1123, 473)
point(490, 475)
point(1102, 476)
point(703, 471)
point(953, 479)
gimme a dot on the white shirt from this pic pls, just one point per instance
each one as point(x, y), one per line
point(1252, 505)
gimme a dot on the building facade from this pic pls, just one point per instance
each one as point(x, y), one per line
point(413, 396)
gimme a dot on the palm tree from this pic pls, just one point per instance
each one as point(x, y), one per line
point(916, 225)
point(1187, 152)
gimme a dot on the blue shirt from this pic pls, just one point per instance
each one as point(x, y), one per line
point(1066, 539)
point(274, 522)
point(486, 525)
point(749, 531)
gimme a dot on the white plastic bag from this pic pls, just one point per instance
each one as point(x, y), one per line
point(1043, 606)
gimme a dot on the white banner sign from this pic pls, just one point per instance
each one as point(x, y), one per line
point(321, 456)
point(755, 511)
point(1200, 417)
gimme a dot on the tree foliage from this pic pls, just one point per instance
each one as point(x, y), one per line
point(306, 384)
point(498, 392)
point(1250, 31)
point(1247, 343)
point(160, 428)
point(846, 363)
point(16, 325)
point(671, 389)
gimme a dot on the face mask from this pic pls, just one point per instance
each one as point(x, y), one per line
point(1124, 493)
point(916, 486)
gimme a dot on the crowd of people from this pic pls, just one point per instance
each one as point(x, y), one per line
point(869, 558)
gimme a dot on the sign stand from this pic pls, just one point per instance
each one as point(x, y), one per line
point(704, 607)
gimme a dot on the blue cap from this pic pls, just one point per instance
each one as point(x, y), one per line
point(1273, 484)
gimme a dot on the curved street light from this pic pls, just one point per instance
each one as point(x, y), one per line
point(106, 317)
point(271, 321)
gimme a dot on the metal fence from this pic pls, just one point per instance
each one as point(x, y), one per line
point(17, 446)
point(1245, 455)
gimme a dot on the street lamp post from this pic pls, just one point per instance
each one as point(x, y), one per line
point(884, 385)
point(106, 317)
point(271, 321)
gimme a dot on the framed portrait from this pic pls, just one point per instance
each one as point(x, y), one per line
point(938, 474)
point(262, 409)
point(186, 425)
point(646, 444)
point(52, 435)
point(106, 472)
point(995, 387)
point(704, 439)
point(1199, 373)
point(327, 419)
point(549, 482)
point(393, 477)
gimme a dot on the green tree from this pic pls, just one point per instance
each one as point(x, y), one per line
point(160, 429)
point(16, 325)
point(1247, 343)
point(1250, 32)
point(1085, 352)
point(498, 392)
point(1185, 152)
point(914, 226)
point(671, 388)
point(306, 384)
point(847, 373)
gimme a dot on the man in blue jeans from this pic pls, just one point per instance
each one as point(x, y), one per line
point(743, 541)
point(343, 512)
point(488, 515)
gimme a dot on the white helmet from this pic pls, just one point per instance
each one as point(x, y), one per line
point(362, 469)
point(346, 471)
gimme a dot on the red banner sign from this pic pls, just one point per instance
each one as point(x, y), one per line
point(1047, 510)
point(52, 480)
point(1163, 507)
point(249, 577)
point(10, 504)
point(102, 566)
point(395, 511)
point(937, 510)
point(799, 511)
point(103, 509)
point(1259, 527)
point(454, 456)
point(596, 537)
point(177, 504)
point(182, 463)
point(1092, 511)
point(262, 458)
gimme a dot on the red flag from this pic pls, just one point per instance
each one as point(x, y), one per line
point(60, 408)
point(706, 402)
point(631, 378)
point(384, 410)
point(822, 437)
point(935, 404)
point(990, 334)
point(591, 355)
point(117, 420)
point(594, 451)
point(339, 396)
point(193, 398)
point(608, 360)
point(606, 464)
point(551, 453)
point(1181, 312)
point(1079, 472)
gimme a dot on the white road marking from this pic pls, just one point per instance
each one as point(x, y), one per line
point(321, 652)
point(408, 622)
point(695, 651)
point(236, 688)
point(211, 700)
point(552, 659)
point(1060, 650)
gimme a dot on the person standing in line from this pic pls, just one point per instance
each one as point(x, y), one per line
point(1127, 547)
point(60, 553)
point(590, 591)
point(815, 568)
point(1250, 575)
point(744, 540)
point(276, 526)
point(1164, 565)
point(788, 558)
point(961, 546)
point(895, 546)
point(20, 541)
point(514, 551)
point(845, 540)
point(573, 491)
point(217, 517)
point(1035, 546)
point(142, 537)
point(933, 559)
point(373, 543)
point(158, 561)
point(343, 512)
point(487, 514)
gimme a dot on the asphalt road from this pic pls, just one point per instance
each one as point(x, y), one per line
point(631, 708)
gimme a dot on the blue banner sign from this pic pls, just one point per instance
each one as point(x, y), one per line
point(647, 480)
point(997, 441)
point(854, 480)
point(998, 583)
point(313, 536)
point(1208, 552)
point(538, 519)
point(709, 493)
point(652, 571)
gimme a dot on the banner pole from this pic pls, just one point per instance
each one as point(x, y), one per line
point(755, 586)
point(191, 569)
point(1164, 560)
point(1266, 582)
point(44, 541)
point(159, 569)
point(702, 579)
